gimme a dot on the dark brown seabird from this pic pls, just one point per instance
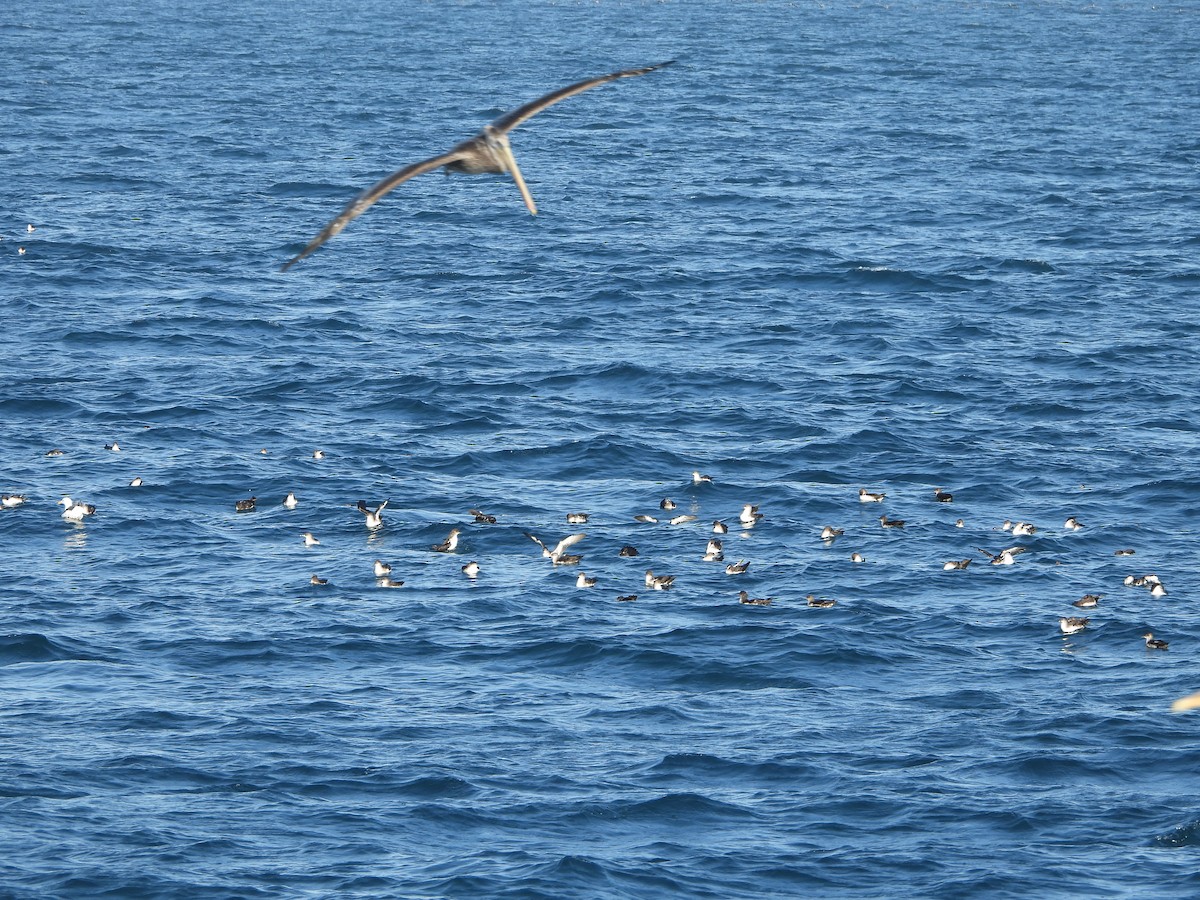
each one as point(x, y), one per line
point(488, 151)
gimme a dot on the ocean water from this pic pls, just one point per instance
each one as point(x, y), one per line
point(896, 246)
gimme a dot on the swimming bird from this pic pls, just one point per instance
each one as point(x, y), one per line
point(290, 500)
point(649, 520)
point(956, 564)
point(482, 517)
point(1126, 551)
point(697, 478)
point(316, 579)
point(1023, 529)
point(628, 598)
point(747, 600)
point(1157, 590)
point(309, 540)
point(75, 512)
point(113, 447)
point(489, 151)
point(555, 553)
point(1135, 581)
point(714, 551)
point(448, 545)
point(667, 503)
point(386, 582)
point(856, 557)
point(820, 602)
point(720, 527)
point(659, 582)
point(30, 228)
point(1072, 524)
point(382, 569)
point(54, 452)
point(1153, 643)
point(577, 518)
point(20, 251)
point(583, 581)
point(1072, 624)
point(865, 496)
point(318, 454)
point(1088, 601)
point(959, 523)
point(246, 505)
point(828, 533)
point(682, 520)
point(471, 569)
point(737, 568)
point(749, 514)
point(374, 517)
point(942, 496)
point(628, 550)
point(137, 481)
point(891, 523)
point(11, 501)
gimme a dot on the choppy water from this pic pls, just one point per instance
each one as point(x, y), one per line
point(894, 246)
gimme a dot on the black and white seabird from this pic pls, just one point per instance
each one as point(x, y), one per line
point(667, 503)
point(749, 514)
point(558, 551)
point(1072, 624)
point(1072, 524)
point(382, 569)
point(820, 602)
point(865, 496)
point(448, 545)
point(471, 569)
point(386, 582)
point(290, 500)
point(316, 579)
point(697, 478)
point(942, 496)
point(374, 517)
point(1153, 643)
point(583, 581)
point(246, 505)
point(309, 540)
point(956, 564)
point(577, 518)
point(1088, 601)
point(628, 550)
point(649, 520)
point(737, 568)
point(828, 533)
point(720, 527)
point(714, 551)
point(137, 481)
point(75, 512)
point(659, 582)
point(746, 600)
point(482, 517)
point(11, 501)
point(891, 523)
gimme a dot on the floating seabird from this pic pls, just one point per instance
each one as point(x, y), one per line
point(318, 454)
point(820, 602)
point(1157, 590)
point(956, 564)
point(20, 251)
point(577, 518)
point(737, 568)
point(488, 151)
point(856, 557)
point(1135, 581)
point(891, 523)
point(1072, 624)
point(749, 514)
point(290, 500)
point(1005, 557)
point(309, 540)
point(137, 481)
point(1072, 524)
point(649, 520)
point(567, 559)
point(113, 447)
point(942, 496)
point(75, 512)
point(318, 580)
point(30, 228)
point(246, 505)
point(471, 569)
point(1088, 601)
point(1153, 643)
point(1127, 551)
point(720, 527)
point(865, 496)
point(628, 598)
point(746, 600)
point(382, 569)
point(583, 581)
point(11, 501)
point(697, 478)
point(627, 550)
point(555, 553)
point(659, 582)
point(374, 518)
point(682, 520)
point(667, 503)
point(828, 533)
point(54, 452)
point(448, 545)
point(482, 517)
point(386, 582)
point(1023, 529)
point(713, 552)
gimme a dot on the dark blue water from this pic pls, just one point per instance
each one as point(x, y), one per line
point(894, 246)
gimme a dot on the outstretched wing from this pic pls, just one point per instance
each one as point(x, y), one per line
point(363, 201)
point(509, 121)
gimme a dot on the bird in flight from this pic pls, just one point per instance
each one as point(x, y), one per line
point(488, 151)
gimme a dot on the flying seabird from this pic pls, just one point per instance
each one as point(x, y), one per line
point(557, 552)
point(488, 151)
point(1005, 557)
point(374, 517)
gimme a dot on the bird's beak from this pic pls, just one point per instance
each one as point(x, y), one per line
point(511, 162)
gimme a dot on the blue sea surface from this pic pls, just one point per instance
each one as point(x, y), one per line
point(894, 246)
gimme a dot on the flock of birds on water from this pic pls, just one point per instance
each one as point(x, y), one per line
point(490, 152)
point(563, 552)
